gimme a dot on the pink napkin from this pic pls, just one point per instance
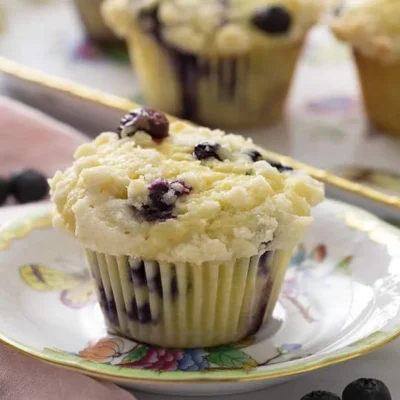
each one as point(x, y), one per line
point(30, 139)
point(23, 378)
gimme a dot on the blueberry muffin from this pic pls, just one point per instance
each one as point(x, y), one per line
point(97, 30)
point(187, 231)
point(372, 28)
point(221, 63)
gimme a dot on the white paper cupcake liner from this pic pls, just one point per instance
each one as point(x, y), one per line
point(184, 305)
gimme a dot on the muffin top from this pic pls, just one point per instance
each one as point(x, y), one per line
point(372, 27)
point(180, 193)
point(223, 27)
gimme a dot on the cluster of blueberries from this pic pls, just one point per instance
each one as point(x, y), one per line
point(361, 389)
point(25, 186)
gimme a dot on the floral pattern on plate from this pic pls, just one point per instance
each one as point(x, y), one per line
point(126, 354)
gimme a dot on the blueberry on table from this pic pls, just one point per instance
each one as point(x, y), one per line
point(4, 190)
point(275, 20)
point(148, 120)
point(28, 185)
point(366, 389)
point(321, 395)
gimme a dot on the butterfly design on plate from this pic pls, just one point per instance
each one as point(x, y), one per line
point(76, 289)
point(311, 265)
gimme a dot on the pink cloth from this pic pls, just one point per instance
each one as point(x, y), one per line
point(30, 139)
point(23, 378)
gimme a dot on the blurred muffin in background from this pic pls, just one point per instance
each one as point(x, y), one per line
point(372, 27)
point(225, 63)
point(90, 14)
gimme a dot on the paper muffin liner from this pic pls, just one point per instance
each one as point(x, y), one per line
point(380, 84)
point(184, 305)
point(225, 92)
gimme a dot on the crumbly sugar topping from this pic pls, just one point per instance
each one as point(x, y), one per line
point(223, 27)
point(196, 195)
point(371, 27)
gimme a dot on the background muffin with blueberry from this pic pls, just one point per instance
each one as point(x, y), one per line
point(188, 231)
point(90, 15)
point(225, 63)
point(372, 28)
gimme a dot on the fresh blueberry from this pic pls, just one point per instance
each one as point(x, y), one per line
point(138, 273)
point(321, 395)
point(366, 389)
point(255, 155)
point(148, 120)
point(206, 150)
point(162, 199)
point(274, 20)
point(28, 185)
point(4, 190)
point(280, 167)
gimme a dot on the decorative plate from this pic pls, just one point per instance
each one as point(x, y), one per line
point(341, 299)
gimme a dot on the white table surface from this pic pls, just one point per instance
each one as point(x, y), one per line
point(382, 364)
